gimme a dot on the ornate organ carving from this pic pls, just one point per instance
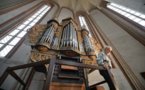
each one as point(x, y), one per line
point(35, 33)
point(64, 39)
point(87, 43)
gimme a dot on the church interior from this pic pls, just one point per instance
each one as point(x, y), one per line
point(54, 44)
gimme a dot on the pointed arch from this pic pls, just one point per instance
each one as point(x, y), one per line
point(68, 13)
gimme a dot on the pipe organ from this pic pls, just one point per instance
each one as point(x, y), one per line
point(64, 38)
point(66, 41)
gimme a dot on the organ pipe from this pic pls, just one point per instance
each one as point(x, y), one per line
point(69, 37)
point(55, 44)
point(45, 41)
point(87, 43)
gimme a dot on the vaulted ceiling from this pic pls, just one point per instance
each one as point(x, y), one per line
point(78, 5)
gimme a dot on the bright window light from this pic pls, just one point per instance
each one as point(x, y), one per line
point(36, 14)
point(15, 41)
point(123, 8)
point(41, 15)
point(1, 45)
point(131, 17)
point(26, 28)
point(22, 34)
point(137, 14)
point(80, 18)
point(84, 24)
point(14, 32)
point(32, 24)
point(115, 9)
point(5, 39)
point(137, 19)
point(30, 19)
point(33, 16)
point(26, 22)
point(132, 12)
point(128, 10)
point(21, 26)
point(142, 23)
point(122, 13)
point(5, 50)
point(39, 12)
point(142, 16)
point(13, 37)
point(38, 17)
point(36, 20)
point(129, 13)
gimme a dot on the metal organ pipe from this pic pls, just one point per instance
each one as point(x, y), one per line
point(67, 35)
point(55, 43)
point(87, 43)
point(64, 37)
point(46, 40)
point(48, 35)
point(75, 39)
point(70, 36)
point(45, 35)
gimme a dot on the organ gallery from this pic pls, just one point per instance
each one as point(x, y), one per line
point(66, 41)
point(63, 39)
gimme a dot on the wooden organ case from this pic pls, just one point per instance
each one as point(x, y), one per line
point(67, 42)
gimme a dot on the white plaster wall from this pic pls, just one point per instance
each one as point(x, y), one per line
point(137, 5)
point(129, 48)
point(21, 56)
point(15, 12)
point(49, 15)
point(65, 13)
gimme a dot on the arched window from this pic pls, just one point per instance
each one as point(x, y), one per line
point(129, 13)
point(84, 24)
point(12, 38)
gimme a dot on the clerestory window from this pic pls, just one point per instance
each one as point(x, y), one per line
point(129, 13)
point(83, 24)
point(12, 38)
